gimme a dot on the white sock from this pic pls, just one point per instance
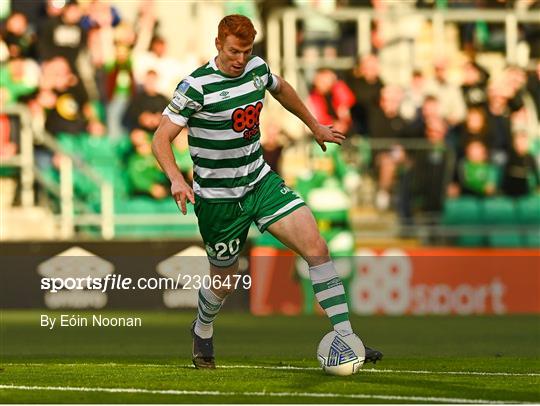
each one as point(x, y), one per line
point(330, 294)
point(209, 306)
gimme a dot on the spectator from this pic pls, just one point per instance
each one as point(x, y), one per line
point(430, 110)
point(144, 173)
point(32, 10)
point(331, 100)
point(385, 119)
point(475, 174)
point(422, 179)
point(498, 122)
point(120, 88)
point(18, 80)
point(64, 104)
point(100, 152)
point(386, 122)
point(20, 40)
point(168, 69)
point(533, 86)
point(99, 14)
point(52, 9)
point(515, 80)
point(64, 99)
point(366, 85)
point(430, 168)
point(273, 143)
point(144, 110)
point(474, 84)
point(475, 127)
point(63, 36)
point(450, 97)
point(414, 97)
point(124, 35)
point(521, 175)
point(99, 21)
point(8, 146)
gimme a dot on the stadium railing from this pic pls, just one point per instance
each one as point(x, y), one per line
point(102, 215)
point(64, 191)
point(111, 217)
point(24, 158)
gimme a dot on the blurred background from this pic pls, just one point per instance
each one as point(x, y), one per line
point(440, 100)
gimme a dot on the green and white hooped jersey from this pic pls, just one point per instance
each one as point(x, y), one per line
point(222, 116)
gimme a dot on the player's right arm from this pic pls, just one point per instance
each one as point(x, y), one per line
point(161, 147)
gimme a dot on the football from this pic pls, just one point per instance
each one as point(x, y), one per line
point(341, 355)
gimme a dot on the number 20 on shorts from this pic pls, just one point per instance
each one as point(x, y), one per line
point(223, 249)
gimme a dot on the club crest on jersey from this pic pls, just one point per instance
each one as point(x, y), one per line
point(257, 81)
point(210, 250)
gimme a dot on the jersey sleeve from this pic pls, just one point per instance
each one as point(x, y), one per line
point(273, 82)
point(186, 101)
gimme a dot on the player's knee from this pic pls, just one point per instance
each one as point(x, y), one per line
point(317, 252)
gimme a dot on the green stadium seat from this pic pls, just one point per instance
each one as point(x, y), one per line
point(500, 211)
point(70, 143)
point(528, 210)
point(147, 205)
point(464, 211)
point(532, 239)
point(509, 240)
point(136, 205)
point(528, 214)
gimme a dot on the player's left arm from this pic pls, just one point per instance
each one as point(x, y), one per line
point(288, 98)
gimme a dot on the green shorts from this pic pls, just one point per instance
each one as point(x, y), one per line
point(224, 226)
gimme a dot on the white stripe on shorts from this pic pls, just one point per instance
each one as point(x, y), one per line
point(263, 220)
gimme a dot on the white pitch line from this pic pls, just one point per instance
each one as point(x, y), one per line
point(468, 373)
point(385, 371)
point(286, 368)
point(430, 399)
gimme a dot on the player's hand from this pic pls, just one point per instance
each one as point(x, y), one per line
point(325, 133)
point(181, 192)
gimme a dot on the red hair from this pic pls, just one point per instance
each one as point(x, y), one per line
point(238, 25)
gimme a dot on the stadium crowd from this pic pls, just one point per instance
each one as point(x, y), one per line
point(98, 83)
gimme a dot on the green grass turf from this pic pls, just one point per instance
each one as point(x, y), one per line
point(156, 356)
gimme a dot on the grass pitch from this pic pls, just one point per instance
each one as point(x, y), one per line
point(268, 360)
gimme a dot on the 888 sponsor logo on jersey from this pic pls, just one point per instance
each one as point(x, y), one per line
point(246, 120)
